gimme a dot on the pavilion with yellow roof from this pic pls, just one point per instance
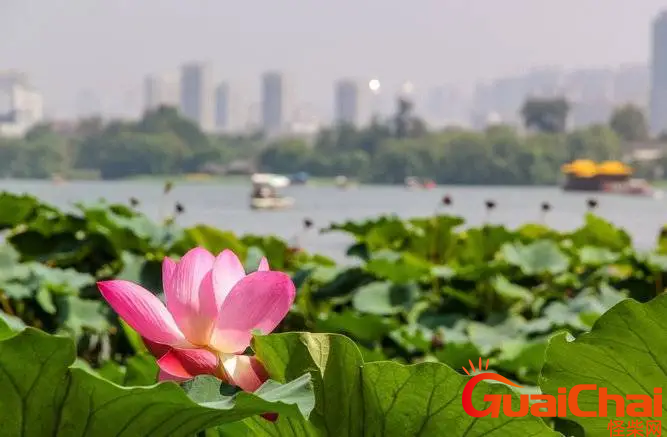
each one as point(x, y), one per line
point(587, 175)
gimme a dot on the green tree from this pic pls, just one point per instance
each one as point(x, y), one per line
point(629, 123)
point(285, 156)
point(545, 114)
point(597, 142)
point(406, 124)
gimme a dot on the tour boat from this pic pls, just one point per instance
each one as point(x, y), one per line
point(412, 183)
point(608, 177)
point(265, 192)
point(344, 183)
point(429, 184)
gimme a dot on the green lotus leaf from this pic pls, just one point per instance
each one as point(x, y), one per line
point(43, 395)
point(625, 352)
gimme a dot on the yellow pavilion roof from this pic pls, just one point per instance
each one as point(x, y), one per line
point(585, 168)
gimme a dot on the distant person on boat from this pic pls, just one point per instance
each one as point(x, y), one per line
point(262, 192)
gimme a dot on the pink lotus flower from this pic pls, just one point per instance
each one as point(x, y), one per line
point(212, 308)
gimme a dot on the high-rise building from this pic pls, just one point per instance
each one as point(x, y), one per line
point(346, 98)
point(21, 106)
point(658, 117)
point(196, 96)
point(275, 103)
point(161, 90)
point(222, 107)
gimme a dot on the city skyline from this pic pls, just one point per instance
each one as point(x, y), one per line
point(593, 94)
point(439, 43)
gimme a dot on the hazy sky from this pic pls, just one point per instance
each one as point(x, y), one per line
point(108, 46)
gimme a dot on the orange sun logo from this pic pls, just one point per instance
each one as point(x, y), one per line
point(473, 366)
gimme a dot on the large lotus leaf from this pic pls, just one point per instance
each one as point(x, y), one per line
point(76, 314)
point(522, 358)
point(478, 246)
point(437, 242)
point(626, 352)
point(391, 234)
point(15, 209)
point(338, 283)
point(359, 229)
point(425, 400)
point(400, 268)
point(42, 395)
point(457, 355)
point(537, 258)
point(511, 292)
point(384, 298)
point(532, 231)
point(141, 369)
point(597, 256)
point(383, 399)
point(335, 364)
point(599, 232)
point(413, 338)
point(16, 280)
point(139, 270)
point(258, 427)
point(491, 337)
point(361, 327)
point(123, 228)
point(60, 281)
point(207, 390)
point(579, 313)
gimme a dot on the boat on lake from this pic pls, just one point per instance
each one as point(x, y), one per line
point(608, 177)
point(265, 192)
point(413, 183)
point(344, 183)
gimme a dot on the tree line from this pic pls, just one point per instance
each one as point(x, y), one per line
point(387, 151)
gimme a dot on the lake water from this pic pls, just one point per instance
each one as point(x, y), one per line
point(226, 206)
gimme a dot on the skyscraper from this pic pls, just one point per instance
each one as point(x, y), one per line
point(222, 107)
point(196, 102)
point(161, 90)
point(21, 106)
point(658, 117)
point(275, 103)
point(346, 101)
point(231, 115)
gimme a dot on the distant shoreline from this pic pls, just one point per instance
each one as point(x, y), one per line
point(202, 178)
